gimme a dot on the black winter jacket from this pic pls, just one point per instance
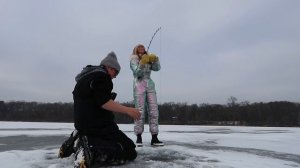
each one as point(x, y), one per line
point(92, 90)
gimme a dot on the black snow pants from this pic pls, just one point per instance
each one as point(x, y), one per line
point(113, 149)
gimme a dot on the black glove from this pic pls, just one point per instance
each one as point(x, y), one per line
point(113, 95)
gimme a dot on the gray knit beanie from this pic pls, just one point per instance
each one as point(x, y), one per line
point(111, 61)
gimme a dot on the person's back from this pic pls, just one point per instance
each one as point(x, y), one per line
point(92, 90)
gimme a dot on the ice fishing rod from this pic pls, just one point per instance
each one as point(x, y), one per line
point(160, 76)
point(152, 38)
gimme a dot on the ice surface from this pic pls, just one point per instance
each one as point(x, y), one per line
point(33, 144)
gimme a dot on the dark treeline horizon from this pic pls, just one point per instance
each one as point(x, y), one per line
point(277, 113)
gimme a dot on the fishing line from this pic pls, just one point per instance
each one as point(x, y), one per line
point(160, 72)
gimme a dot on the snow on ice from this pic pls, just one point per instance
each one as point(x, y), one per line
point(33, 144)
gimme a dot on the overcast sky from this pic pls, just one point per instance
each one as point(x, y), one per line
point(209, 50)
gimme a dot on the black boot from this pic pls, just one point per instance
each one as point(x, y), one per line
point(139, 141)
point(83, 157)
point(155, 141)
point(67, 148)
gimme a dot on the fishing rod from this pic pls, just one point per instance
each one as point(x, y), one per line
point(152, 38)
point(157, 30)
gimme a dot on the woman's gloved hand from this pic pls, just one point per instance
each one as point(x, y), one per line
point(153, 58)
point(145, 59)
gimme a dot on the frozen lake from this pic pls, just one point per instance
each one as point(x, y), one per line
point(35, 145)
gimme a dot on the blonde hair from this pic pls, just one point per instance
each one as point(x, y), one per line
point(134, 52)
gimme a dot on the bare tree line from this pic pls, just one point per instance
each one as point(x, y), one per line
point(279, 113)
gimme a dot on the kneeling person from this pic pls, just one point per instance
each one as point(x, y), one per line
point(99, 136)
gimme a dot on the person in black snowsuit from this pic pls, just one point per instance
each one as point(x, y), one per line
point(99, 141)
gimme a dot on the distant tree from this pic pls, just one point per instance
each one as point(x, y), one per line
point(244, 103)
point(231, 101)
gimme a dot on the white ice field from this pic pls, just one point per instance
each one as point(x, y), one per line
point(35, 145)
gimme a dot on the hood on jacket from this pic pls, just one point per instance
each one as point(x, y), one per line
point(88, 70)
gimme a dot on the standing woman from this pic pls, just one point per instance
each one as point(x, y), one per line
point(141, 64)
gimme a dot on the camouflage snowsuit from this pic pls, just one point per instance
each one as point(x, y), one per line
point(144, 94)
